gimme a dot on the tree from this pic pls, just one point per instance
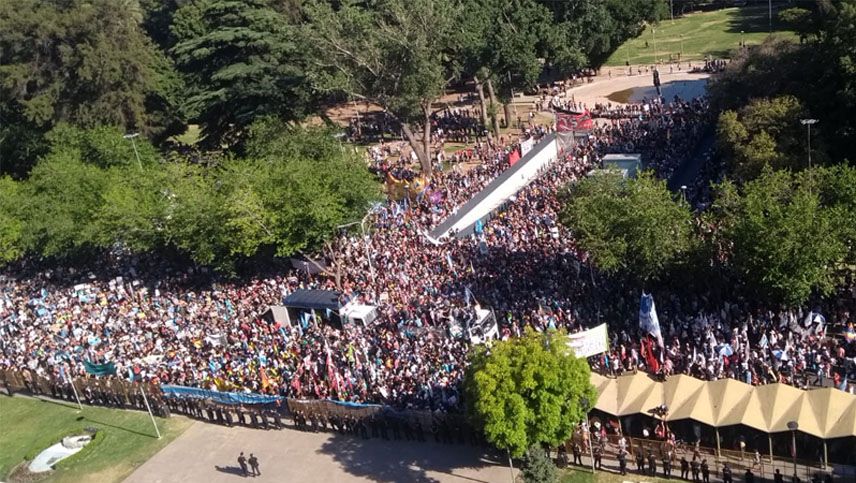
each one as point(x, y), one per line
point(11, 225)
point(632, 225)
point(393, 53)
point(59, 202)
point(784, 244)
point(294, 188)
point(84, 62)
point(102, 146)
point(528, 390)
point(767, 132)
point(242, 64)
point(538, 467)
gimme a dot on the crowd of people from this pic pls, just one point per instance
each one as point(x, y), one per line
point(182, 326)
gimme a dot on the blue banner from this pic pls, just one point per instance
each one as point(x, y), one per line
point(217, 396)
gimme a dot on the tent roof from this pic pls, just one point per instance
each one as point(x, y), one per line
point(771, 406)
point(728, 398)
point(637, 394)
point(607, 400)
point(835, 411)
point(825, 413)
point(313, 299)
point(679, 394)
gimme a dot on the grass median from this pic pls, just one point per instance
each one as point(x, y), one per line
point(696, 35)
point(126, 440)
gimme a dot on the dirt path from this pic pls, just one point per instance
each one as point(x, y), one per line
point(208, 453)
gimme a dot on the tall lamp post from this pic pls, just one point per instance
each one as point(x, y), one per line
point(808, 123)
point(131, 136)
point(793, 426)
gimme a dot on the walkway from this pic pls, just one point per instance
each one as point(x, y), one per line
point(208, 452)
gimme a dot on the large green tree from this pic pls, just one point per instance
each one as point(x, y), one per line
point(767, 132)
point(528, 390)
point(241, 62)
point(83, 62)
point(785, 245)
point(397, 54)
point(630, 225)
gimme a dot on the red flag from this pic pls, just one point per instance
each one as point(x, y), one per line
point(574, 122)
point(513, 157)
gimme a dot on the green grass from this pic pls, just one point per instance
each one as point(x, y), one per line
point(191, 136)
point(697, 35)
point(127, 438)
point(574, 475)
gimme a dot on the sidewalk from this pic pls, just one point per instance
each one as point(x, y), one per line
point(762, 473)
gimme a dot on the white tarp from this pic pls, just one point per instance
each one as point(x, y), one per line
point(589, 342)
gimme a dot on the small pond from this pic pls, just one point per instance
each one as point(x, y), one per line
point(685, 89)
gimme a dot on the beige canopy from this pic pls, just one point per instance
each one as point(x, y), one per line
point(680, 394)
point(771, 406)
point(637, 394)
point(824, 413)
point(729, 398)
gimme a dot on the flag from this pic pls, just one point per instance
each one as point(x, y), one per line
point(726, 350)
point(99, 369)
point(850, 333)
point(574, 122)
point(648, 320)
point(264, 378)
point(513, 157)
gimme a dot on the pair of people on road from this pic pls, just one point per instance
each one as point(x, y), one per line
point(253, 465)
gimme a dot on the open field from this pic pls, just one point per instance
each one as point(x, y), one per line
point(697, 35)
point(29, 425)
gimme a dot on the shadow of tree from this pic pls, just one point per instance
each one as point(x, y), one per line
point(755, 19)
point(407, 461)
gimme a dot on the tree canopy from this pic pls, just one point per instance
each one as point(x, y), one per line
point(528, 390)
point(630, 225)
point(242, 63)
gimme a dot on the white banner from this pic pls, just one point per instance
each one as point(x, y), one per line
point(589, 342)
point(526, 146)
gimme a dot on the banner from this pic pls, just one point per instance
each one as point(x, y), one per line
point(99, 369)
point(648, 320)
point(589, 342)
point(574, 122)
point(527, 146)
point(513, 157)
point(217, 396)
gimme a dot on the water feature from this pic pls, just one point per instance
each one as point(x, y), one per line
point(58, 452)
point(685, 89)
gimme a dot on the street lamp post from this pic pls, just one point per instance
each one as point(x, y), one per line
point(808, 123)
point(131, 136)
point(770, 18)
point(793, 426)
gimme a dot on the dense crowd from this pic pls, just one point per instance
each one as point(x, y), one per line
point(156, 323)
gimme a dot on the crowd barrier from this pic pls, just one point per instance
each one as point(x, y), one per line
point(247, 409)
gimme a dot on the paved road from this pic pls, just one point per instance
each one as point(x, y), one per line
point(208, 453)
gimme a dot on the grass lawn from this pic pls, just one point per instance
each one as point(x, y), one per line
point(29, 425)
point(585, 476)
point(191, 136)
point(697, 35)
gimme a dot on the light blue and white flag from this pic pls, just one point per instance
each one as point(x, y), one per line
point(648, 320)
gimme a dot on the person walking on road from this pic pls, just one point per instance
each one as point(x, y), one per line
point(254, 465)
point(242, 462)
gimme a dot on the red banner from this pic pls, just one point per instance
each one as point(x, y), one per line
point(574, 122)
point(513, 157)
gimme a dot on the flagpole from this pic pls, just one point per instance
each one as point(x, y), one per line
point(76, 397)
point(149, 408)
